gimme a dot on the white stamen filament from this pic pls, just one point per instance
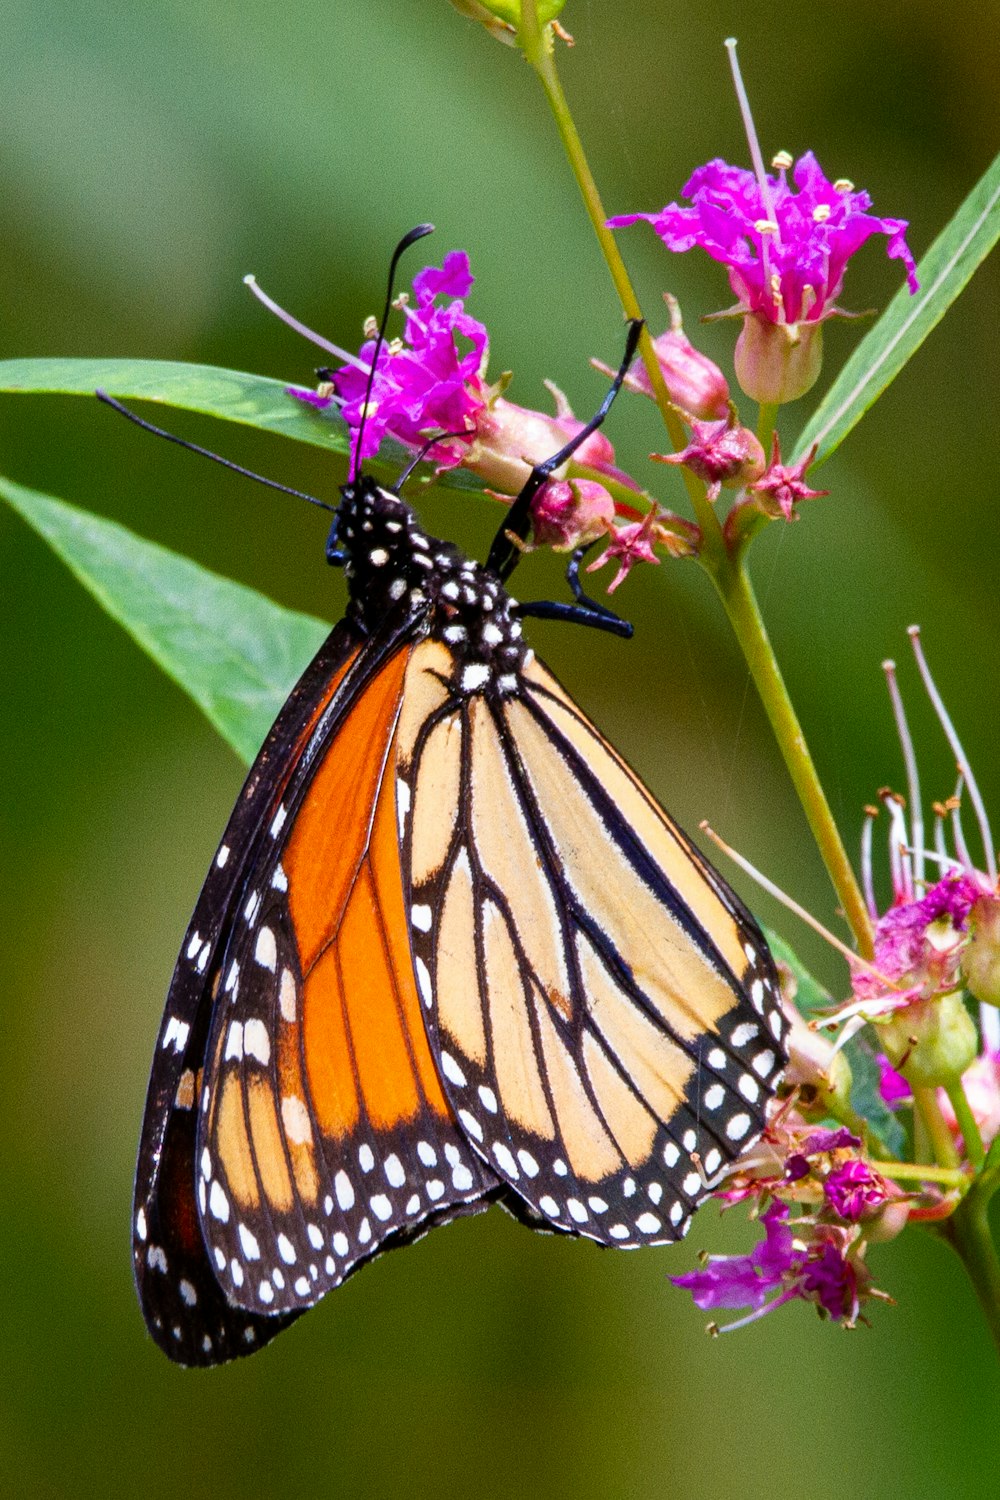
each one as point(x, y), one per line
point(958, 752)
point(854, 959)
point(912, 778)
point(306, 332)
point(954, 805)
point(867, 882)
point(900, 864)
point(755, 155)
point(940, 813)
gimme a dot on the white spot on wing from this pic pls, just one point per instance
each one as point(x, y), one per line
point(176, 1034)
point(219, 1203)
point(266, 951)
point(256, 1042)
point(248, 1241)
point(450, 1068)
point(343, 1190)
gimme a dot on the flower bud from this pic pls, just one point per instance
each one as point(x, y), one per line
point(723, 454)
point(694, 382)
point(822, 1075)
point(570, 513)
point(778, 362)
point(508, 12)
point(889, 1221)
point(931, 1042)
point(510, 439)
point(981, 959)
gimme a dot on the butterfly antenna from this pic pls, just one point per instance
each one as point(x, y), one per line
point(503, 554)
point(227, 463)
point(417, 233)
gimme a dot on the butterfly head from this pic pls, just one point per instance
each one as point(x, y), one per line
point(395, 571)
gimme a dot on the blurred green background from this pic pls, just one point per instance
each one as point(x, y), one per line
point(152, 155)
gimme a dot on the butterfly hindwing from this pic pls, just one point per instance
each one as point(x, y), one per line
point(595, 1041)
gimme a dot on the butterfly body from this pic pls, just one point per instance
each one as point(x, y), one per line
point(450, 952)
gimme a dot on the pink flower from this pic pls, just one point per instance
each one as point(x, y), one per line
point(921, 943)
point(628, 545)
point(745, 1280)
point(721, 453)
point(798, 1258)
point(431, 380)
point(855, 1189)
point(787, 256)
point(778, 491)
point(570, 513)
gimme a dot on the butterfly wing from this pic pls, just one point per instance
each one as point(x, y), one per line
point(603, 1009)
point(294, 1121)
point(325, 1135)
point(182, 1302)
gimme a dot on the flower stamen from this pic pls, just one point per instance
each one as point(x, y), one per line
point(951, 735)
point(302, 328)
point(912, 777)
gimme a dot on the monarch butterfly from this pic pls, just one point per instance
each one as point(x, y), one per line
point(450, 952)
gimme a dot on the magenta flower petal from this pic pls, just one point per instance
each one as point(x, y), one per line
point(891, 1085)
point(430, 381)
point(745, 1280)
point(788, 269)
point(854, 1189)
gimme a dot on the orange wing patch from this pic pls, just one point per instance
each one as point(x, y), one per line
point(326, 1128)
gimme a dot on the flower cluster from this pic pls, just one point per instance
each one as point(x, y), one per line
point(786, 247)
point(936, 938)
point(820, 1204)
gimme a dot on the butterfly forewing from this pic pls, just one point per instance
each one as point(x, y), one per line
point(325, 1132)
point(602, 1051)
point(182, 1302)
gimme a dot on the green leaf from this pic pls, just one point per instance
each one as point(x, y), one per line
point(944, 271)
point(811, 998)
point(236, 653)
point(867, 1099)
point(235, 396)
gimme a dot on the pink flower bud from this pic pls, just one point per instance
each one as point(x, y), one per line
point(511, 439)
point(570, 513)
point(695, 382)
point(723, 454)
point(778, 362)
point(981, 959)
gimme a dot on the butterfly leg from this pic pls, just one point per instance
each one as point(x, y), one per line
point(585, 611)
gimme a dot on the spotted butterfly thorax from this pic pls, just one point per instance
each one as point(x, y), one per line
point(450, 952)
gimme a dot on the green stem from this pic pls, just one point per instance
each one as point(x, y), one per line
point(741, 606)
point(536, 44)
point(967, 1125)
point(926, 1103)
point(968, 1233)
point(730, 579)
point(915, 1171)
point(766, 420)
